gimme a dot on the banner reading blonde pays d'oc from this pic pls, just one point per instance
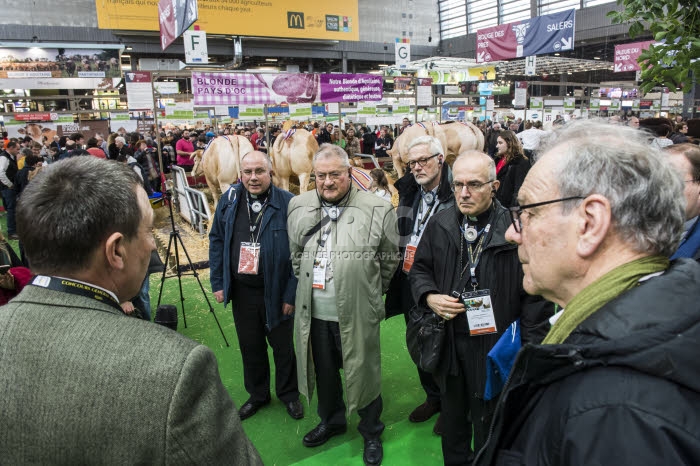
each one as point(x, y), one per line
point(262, 18)
point(211, 89)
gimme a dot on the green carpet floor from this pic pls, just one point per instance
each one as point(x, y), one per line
point(277, 436)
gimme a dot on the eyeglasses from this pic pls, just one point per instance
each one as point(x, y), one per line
point(517, 211)
point(257, 171)
point(334, 176)
point(472, 186)
point(420, 162)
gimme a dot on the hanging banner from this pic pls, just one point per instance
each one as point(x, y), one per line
point(290, 88)
point(295, 19)
point(626, 55)
point(300, 111)
point(536, 36)
point(402, 53)
point(139, 90)
point(402, 84)
point(520, 94)
point(174, 17)
point(569, 103)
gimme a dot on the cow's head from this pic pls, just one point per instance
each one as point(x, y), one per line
point(197, 167)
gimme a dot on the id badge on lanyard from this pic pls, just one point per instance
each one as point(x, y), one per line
point(480, 316)
point(409, 254)
point(249, 259)
point(320, 267)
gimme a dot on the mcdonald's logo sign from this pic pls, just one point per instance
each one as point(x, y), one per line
point(295, 20)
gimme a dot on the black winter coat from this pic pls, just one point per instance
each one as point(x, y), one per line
point(499, 270)
point(622, 390)
point(511, 177)
point(398, 297)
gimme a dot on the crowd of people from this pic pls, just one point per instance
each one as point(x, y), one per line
point(560, 237)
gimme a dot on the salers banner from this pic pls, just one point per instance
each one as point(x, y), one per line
point(260, 88)
point(262, 18)
point(536, 36)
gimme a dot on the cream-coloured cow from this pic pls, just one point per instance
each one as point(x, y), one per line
point(292, 154)
point(220, 162)
point(455, 138)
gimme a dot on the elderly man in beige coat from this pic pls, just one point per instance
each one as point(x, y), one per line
point(344, 246)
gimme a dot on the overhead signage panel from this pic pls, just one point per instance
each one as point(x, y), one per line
point(535, 36)
point(298, 19)
point(626, 55)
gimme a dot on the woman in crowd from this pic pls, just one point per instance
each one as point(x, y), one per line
point(511, 168)
point(338, 138)
point(112, 149)
point(380, 184)
point(352, 143)
point(383, 143)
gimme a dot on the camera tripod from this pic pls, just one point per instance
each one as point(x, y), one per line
point(173, 242)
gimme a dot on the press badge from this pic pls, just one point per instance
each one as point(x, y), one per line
point(480, 315)
point(320, 267)
point(410, 254)
point(249, 259)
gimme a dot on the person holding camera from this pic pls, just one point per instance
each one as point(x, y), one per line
point(466, 244)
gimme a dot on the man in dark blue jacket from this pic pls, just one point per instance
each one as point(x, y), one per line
point(250, 261)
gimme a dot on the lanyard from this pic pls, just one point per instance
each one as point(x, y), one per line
point(77, 288)
point(473, 256)
point(254, 225)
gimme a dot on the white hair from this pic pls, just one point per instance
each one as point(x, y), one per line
point(434, 145)
point(331, 150)
point(645, 194)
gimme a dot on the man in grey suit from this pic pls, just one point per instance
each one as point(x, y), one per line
point(76, 387)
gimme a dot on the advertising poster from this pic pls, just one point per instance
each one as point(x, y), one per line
point(520, 94)
point(294, 19)
point(174, 17)
point(291, 88)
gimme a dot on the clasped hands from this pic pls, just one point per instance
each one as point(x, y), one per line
point(445, 306)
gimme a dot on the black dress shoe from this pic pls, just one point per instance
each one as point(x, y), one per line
point(295, 409)
point(251, 407)
point(425, 411)
point(374, 452)
point(322, 433)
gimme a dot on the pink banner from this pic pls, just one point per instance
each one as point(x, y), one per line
point(495, 43)
point(626, 55)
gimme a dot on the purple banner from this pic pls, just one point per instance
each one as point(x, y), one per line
point(281, 88)
point(351, 88)
point(536, 36)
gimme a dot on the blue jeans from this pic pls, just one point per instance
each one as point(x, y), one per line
point(9, 199)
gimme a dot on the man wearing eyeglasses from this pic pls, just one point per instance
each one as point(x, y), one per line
point(250, 267)
point(685, 158)
point(423, 191)
point(464, 260)
point(344, 248)
point(615, 380)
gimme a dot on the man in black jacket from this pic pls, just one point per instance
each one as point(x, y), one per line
point(423, 191)
point(464, 250)
point(615, 380)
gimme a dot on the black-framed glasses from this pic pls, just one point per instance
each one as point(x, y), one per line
point(516, 211)
point(420, 162)
point(472, 186)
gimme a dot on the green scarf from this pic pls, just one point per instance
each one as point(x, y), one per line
point(600, 292)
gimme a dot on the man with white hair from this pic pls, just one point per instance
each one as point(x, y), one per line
point(615, 380)
point(423, 191)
